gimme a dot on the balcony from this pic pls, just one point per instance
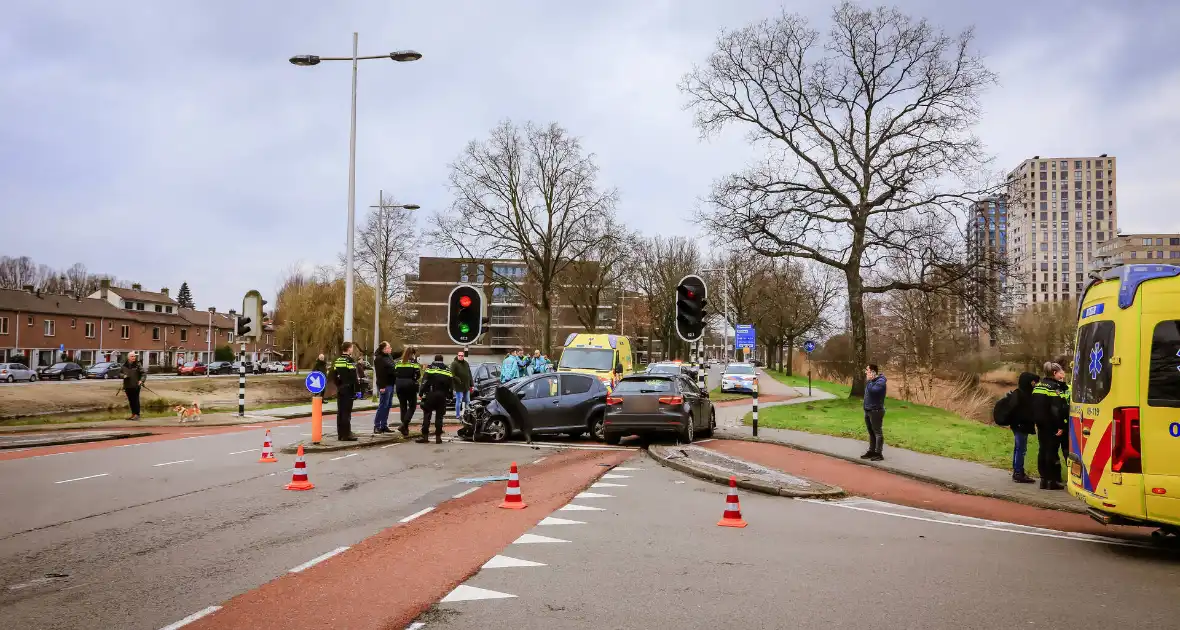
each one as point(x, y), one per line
point(504, 321)
point(505, 342)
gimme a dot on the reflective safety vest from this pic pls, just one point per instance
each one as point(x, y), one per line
point(407, 370)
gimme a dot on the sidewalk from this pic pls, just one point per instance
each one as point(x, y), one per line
point(960, 476)
point(218, 419)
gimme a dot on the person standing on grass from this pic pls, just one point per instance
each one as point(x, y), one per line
point(1023, 424)
point(874, 412)
point(133, 377)
point(1050, 409)
point(383, 366)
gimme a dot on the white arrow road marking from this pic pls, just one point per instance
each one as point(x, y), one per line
point(318, 559)
point(191, 618)
point(249, 450)
point(504, 562)
point(81, 478)
point(553, 520)
point(417, 514)
point(579, 508)
point(593, 495)
point(528, 539)
point(179, 461)
point(464, 593)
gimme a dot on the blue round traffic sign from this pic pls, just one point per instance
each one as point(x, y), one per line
point(809, 346)
point(315, 382)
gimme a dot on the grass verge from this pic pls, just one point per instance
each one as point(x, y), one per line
point(716, 396)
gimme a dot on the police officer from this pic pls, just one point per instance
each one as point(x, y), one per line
point(344, 368)
point(1050, 409)
point(436, 390)
point(407, 375)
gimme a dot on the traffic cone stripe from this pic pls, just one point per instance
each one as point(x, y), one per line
point(732, 517)
point(268, 454)
point(512, 497)
point(299, 474)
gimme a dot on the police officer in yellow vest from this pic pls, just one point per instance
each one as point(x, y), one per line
point(1050, 410)
point(436, 391)
point(344, 369)
point(407, 375)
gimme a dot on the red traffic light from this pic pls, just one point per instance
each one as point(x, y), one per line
point(464, 301)
point(690, 295)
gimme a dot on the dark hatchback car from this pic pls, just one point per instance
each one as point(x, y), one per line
point(643, 404)
point(557, 403)
point(221, 367)
point(60, 371)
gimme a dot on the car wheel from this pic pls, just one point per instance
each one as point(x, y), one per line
point(32, 378)
point(708, 432)
point(10, 379)
point(78, 376)
point(496, 428)
point(612, 438)
point(689, 431)
point(598, 427)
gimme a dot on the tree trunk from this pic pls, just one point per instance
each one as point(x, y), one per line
point(547, 334)
point(790, 356)
point(856, 316)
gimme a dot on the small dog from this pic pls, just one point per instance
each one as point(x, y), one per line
point(188, 414)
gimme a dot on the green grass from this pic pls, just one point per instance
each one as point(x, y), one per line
point(801, 381)
point(907, 425)
point(716, 396)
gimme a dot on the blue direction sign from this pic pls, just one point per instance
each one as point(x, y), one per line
point(743, 336)
point(809, 346)
point(316, 382)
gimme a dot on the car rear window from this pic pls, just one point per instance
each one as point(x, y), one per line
point(637, 386)
point(1163, 378)
point(664, 369)
point(1091, 365)
point(739, 369)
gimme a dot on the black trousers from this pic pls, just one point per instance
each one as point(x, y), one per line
point(1048, 465)
point(132, 399)
point(407, 401)
point(436, 404)
point(874, 421)
point(344, 399)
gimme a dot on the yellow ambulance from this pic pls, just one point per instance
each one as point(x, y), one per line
point(1124, 426)
point(604, 355)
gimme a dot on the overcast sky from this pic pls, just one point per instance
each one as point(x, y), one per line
point(168, 142)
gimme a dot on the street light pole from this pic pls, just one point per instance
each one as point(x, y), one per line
point(379, 283)
point(348, 273)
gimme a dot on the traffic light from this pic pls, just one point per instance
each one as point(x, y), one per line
point(465, 319)
point(244, 326)
point(250, 323)
point(690, 308)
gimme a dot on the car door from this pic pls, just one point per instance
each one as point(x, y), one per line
point(692, 395)
point(543, 402)
point(577, 399)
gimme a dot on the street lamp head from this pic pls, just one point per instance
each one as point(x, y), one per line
point(405, 55)
point(305, 60)
point(412, 206)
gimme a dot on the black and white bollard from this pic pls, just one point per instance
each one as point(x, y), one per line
point(755, 402)
point(242, 382)
point(702, 378)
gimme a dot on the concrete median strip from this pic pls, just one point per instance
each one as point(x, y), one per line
point(718, 468)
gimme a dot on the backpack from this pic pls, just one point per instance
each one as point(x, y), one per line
point(1002, 411)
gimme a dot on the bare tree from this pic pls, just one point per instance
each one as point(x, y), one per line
point(387, 248)
point(590, 284)
point(871, 146)
point(792, 300)
point(660, 263)
point(742, 270)
point(1043, 332)
point(528, 194)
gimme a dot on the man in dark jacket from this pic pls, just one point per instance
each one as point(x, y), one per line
point(407, 376)
point(874, 412)
point(1050, 411)
point(1023, 424)
point(320, 366)
point(461, 377)
point(436, 389)
point(383, 366)
point(344, 369)
point(133, 378)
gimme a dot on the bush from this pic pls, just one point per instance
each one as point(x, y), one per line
point(223, 353)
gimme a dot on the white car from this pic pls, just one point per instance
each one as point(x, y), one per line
point(12, 372)
point(739, 377)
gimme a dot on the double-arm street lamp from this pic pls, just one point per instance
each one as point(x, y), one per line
point(311, 60)
point(379, 286)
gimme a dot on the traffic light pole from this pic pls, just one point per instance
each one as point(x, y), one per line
point(242, 381)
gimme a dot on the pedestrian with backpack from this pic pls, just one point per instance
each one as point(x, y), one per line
point(1015, 411)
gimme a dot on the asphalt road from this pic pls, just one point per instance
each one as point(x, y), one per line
point(654, 558)
point(142, 535)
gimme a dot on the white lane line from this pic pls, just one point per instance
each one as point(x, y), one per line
point(997, 526)
point(304, 434)
point(579, 508)
point(703, 441)
point(343, 457)
point(593, 495)
point(387, 446)
point(318, 559)
point(81, 478)
point(463, 593)
point(179, 461)
point(417, 625)
point(606, 484)
point(506, 562)
point(417, 514)
point(625, 468)
point(613, 476)
point(466, 492)
point(51, 454)
point(553, 520)
point(539, 460)
point(250, 426)
point(530, 539)
point(191, 618)
point(249, 450)
point(15, 450)
point(127, 445)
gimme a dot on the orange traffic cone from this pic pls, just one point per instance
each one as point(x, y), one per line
point(299, 474)
point(512, 498)
point(268, 451)
point(733, 511)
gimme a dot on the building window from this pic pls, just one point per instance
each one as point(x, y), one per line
point(73, 322)
point(159, 309)
point(1173, 254)
point(139, 306)
point(183, 334)
point(90, 330)
point(3, 325)
point(1159, 253)
point(155, 333)
point(110, 325)
point(168, 309)
point(479, 273)
point(1147, 241)
point(124, 332)
point(1149, 253)
point(1134, 255)
point(50, 328)
point(463, 272)
point(230, 336)
point(1044, 205)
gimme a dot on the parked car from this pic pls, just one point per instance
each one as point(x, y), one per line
point(672, 367)
point(61, 371)
point(104, 370)
point(220, 367)
point(568, 403)
point(485, 377)
point(192, 368)
point(12, 372)
point(738, 377)
point(251, 368)
point(658, 403)
point(286, 366)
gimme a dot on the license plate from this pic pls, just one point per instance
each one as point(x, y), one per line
point(1075, 469)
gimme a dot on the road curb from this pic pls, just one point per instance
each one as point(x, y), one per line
point(81, 440)
point(829, 492)
point(949, 485)
point(362, 442)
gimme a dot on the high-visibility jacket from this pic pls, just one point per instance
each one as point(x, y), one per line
point(1050, 406)
point(344, 368)
point(436, 383)
point(406, 373)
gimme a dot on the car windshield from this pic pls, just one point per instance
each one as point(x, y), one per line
point(666, 368)
point(190, 364)
point(587, 359)
point(643, 386)
point(739, 369)
point(58, 366)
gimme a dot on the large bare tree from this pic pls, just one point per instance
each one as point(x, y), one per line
point(589, 285)
point(527, 194)
point(792, 300)
point(870, 146)
point(660, 263)
point(387, 247)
